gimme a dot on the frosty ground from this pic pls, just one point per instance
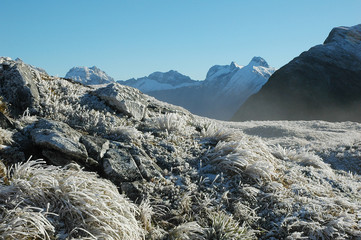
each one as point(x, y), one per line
point(119, 164)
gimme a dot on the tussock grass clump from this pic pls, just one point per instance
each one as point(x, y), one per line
point(27, 118)
point(173, 124)
point(169, 122)
point(246, 156)
point(145, 214)
point(301, 156)
point(189, 230)
point(5, 137)
point(65, 203)
point(25, 223)
point(224, 227)
point(125, 132)
point(216, 132)
point(3, 106)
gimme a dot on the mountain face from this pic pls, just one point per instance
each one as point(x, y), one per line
point(222, 92)
point(322, 83)
point(160, 81)
point(89, 76)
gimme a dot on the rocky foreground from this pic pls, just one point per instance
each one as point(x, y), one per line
point(118, 164)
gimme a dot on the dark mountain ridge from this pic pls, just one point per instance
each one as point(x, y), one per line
point(322, 83)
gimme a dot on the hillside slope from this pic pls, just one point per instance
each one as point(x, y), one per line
point(118, 164)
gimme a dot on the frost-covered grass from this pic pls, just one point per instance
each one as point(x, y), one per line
point(44, 202)
point(169, 122)
point(265, 180)
point(5, 137)
point(3, 106)
point(247, 155)
point(302, 156)
point(296, 194)
point(73, 104)
point(224, 227)
point(215, 132)
point(188, 230)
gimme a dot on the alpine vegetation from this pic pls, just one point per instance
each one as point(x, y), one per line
point(118, 164)
point(48, 202)
point(5, 136)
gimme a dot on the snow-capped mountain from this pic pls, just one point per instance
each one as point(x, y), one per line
point(322, 83)
point(160, 81)
point(89, 75)
point(223, 91)
point(236, 78)
point(219, 96)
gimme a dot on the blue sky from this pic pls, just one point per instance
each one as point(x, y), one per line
point(134, 38)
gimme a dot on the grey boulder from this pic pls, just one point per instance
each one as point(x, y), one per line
point(58, 141)
point(126, 100)
point(119, 166)
point(95, 146)
point(17, 85)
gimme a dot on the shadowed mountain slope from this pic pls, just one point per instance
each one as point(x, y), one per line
point(322, 83)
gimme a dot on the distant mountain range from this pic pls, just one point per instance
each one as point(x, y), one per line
point(161, 81)
point(322, 83)
point(218, 96)
point(222, 92)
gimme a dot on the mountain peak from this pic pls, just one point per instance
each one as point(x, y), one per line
point(95, 68)
point(341, 34)
point(234, 65)
point(258, 61)
point(160, 81)
point(166, 75)
point(89, 75)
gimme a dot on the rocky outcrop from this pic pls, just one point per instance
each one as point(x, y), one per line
point(17, 85)
point(119, 166)
point(125, 99)
point(95, 146)
point(322, 83)
point(5, 122)
point(59, 142)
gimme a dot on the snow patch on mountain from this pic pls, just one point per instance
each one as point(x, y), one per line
point(217, 71)
point(89, 75)
point(249, 79)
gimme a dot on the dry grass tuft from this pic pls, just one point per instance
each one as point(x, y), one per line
point(246, 156)
point(169, 122)
point(216, 132)
point(5, 137)
point(224, 227)
point(3, 107)
point(75, 203)
point(189, 230)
